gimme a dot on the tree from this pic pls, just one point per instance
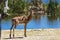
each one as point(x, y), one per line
point(18, 6)
point(35, 2)
point(52, 7)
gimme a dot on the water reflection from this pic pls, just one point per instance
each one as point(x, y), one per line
point(52, 18)
point(53, 21)
point(37, 18)
point(59, 17)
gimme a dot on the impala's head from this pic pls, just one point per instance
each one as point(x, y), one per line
point(31, 12)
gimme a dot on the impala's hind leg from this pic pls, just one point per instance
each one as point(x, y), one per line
point(11, 30)
point(14, 30)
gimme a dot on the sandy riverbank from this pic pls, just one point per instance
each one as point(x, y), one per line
point(42, 34)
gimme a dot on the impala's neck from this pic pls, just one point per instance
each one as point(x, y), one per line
point(29, 16)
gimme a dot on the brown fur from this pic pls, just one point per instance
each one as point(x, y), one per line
point(19, 20)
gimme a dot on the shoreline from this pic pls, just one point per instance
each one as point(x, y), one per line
point(33, 29)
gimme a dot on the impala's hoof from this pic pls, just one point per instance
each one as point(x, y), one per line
point(25, 36)
point(13, 35)
point(10, 36)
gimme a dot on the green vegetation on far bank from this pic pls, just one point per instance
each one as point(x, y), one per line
point(22, 7)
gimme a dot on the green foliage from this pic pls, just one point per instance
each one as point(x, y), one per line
point(58, 10)
point(34, 2)
point(2, 6)
point(52, 7)
point(18, 6)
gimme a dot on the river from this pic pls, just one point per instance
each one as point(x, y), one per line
point(37, 22)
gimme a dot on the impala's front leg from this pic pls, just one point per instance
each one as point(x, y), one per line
point(25, 29)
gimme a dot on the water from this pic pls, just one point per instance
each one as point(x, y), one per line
point(46, 1)
point(38, 22)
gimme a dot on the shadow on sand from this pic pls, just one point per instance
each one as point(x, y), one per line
point(14, 38)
